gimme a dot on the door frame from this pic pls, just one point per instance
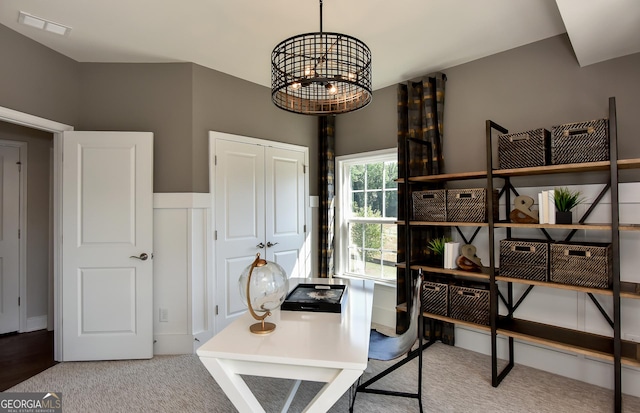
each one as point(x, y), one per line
point(22, 242)
point(213, 137)
point(35, 122)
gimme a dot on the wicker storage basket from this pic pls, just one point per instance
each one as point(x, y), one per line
point(469, 304)
point(469, 205)
point(435, 298)
point(430, 205)
point(525, 259)
point(580, 142)
point(585, 264)
point(524, 149)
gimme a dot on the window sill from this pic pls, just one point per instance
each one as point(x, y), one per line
point(377, 281)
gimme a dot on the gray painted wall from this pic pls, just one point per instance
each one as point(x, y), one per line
point(537, 85)
point(39, 146)
point(36, 80)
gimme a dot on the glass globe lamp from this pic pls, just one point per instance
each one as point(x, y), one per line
point(263, 287)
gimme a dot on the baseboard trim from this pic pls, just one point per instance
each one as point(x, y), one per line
point(36, 323)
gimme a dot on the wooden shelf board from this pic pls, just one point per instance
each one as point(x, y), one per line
point(566, 339)
point(629, 227)
point(447, 224)
point(554, 169)
point(629, 163)
point(403, 307)
point(537, 170)
point(592, 227)
point(439, 270)
point(627, 289)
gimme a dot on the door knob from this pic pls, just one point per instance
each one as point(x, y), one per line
point(269, 244)
point(261, 245)
point(143, 257)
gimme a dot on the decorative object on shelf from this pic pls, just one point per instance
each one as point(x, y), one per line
point(450, 254)
point(523, 213)
point(321, 73)
point(524, 149)
point(437, 245)
point(469, 261)
point(565, 200)
point(263, 287)
point(546, 207)
point(580, 142)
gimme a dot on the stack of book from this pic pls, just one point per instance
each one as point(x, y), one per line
point(546, 207)
point(451, 252)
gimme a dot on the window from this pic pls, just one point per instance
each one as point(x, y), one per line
point(367, 207)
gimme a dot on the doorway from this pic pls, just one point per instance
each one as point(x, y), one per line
point(11, 116)
point(26, 322)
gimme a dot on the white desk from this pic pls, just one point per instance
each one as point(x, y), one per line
point(324, 347)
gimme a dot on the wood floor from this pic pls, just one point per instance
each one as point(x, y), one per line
point(24, 355)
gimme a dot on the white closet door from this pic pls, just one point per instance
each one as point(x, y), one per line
point(239, 220)
point(285, 196)
point(259, 189)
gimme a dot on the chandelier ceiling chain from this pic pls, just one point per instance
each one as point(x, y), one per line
point(321, 73)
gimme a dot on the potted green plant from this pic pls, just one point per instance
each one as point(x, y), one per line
point(437, 246)
point(565, 200)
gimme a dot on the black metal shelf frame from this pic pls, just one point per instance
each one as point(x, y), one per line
point(496, 294)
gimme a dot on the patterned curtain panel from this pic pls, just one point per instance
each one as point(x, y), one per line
point(326, 191)
point(420, 118)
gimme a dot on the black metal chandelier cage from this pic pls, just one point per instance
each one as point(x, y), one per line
point(321, 73)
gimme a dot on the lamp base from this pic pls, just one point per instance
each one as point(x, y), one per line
point(262, 328)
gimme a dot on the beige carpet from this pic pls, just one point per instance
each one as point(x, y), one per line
point(455, 380)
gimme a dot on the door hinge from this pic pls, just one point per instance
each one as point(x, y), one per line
point(216, 310)
point(215, 160)
point(215, 235)
point(19, 234)
point(304, 169)
point(304, 228)
point(18, 301)
point(19, 166)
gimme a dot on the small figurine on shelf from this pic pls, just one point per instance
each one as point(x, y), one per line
point(469, 261)
point(523, 214)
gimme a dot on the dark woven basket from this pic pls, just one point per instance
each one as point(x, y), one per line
point(435, 298)
point(469, 304)
point(580, 142)
point(524, 259)
point(524, 149)
point(585, 264)
point(430, 205)
point(469, 205)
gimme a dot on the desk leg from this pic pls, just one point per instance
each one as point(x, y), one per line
point(292, 394)
point(233, 386)
point(332, 391)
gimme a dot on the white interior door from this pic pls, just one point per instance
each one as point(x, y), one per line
point(107, 229)
point(259, 201)
point(285, 209)
point(9, 239)
point(239, 220)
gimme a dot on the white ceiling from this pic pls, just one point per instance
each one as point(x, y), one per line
point(408, 38)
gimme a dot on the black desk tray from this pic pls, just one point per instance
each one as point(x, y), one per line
point(327, 298)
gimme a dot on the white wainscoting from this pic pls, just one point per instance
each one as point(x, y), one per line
point(183, 284)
